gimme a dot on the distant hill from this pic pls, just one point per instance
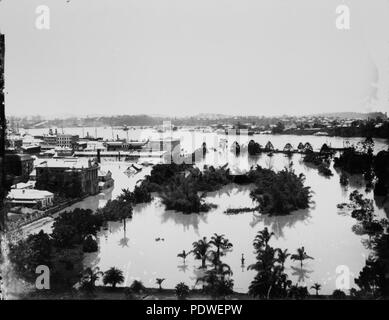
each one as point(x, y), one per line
point(353, 115)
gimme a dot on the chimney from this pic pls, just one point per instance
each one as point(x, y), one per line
point(98, 156)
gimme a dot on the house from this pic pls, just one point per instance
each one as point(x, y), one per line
point(105, 180)
point(30, 198)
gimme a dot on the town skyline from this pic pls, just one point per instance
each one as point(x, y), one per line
point(210, 115)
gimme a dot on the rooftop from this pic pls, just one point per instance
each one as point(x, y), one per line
point(67, 163)
point(28, 194)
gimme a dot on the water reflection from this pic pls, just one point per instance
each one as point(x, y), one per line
point(301, 273)
point(186, 221)
point(278, 223)
point(183, 267)
point(123, 242)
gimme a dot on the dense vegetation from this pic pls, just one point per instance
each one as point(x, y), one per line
point(73, 233)
point(376, 128)
point(62, 251)
point(372, 280)
point(361, 160)
point(357, 159)
point(183, 188)
point(279, 193)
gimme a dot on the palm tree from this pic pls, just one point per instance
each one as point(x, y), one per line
point(200, 250)
point(301, 256)
point(262, 238)
point(184, 254)
point(89, 278)
point(265, 260)
point(222, 244)
point(159, 282)
point(317, 287)
point(223, 270)
point(113, 276)
point(282, 256)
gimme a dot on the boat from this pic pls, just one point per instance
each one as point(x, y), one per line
point(136, 144)
point(125, 128)
point(270, 154)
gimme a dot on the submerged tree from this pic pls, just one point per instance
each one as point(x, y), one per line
point(184, 254)
point(262, 238)
point(300, 256)
point(316, 287)
point(182, 291)
point(217, 281)
point(113, 276)
point(270, 281)
point(201, 251)
point(159, 282)
point(282, 256)
point(222, 244)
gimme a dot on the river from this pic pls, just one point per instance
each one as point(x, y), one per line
point(324, 231)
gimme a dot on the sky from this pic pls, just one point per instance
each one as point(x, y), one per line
point(184, 57)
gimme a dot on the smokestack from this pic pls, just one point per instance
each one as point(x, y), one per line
point(98, 156)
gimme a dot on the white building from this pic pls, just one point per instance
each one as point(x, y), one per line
point(30, 198)
point(170, 145)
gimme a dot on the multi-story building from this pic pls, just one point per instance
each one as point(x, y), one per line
point(18, 167)
point(67, 140)
point(49, 139)
point(71, 177)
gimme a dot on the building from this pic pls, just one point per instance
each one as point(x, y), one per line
point(114, 145)
point(24, 185)
point(67, 140)
point(31, 149)
point(105, 180)
point(70, 177)
point(14, 141)
point(49, 139)
point(63, 151)
point(18, 167)
point(170, 145)
point(30, 198)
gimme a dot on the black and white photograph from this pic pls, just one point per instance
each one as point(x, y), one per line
point(220, 151)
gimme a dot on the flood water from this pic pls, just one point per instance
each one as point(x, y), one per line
point(324, 231)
